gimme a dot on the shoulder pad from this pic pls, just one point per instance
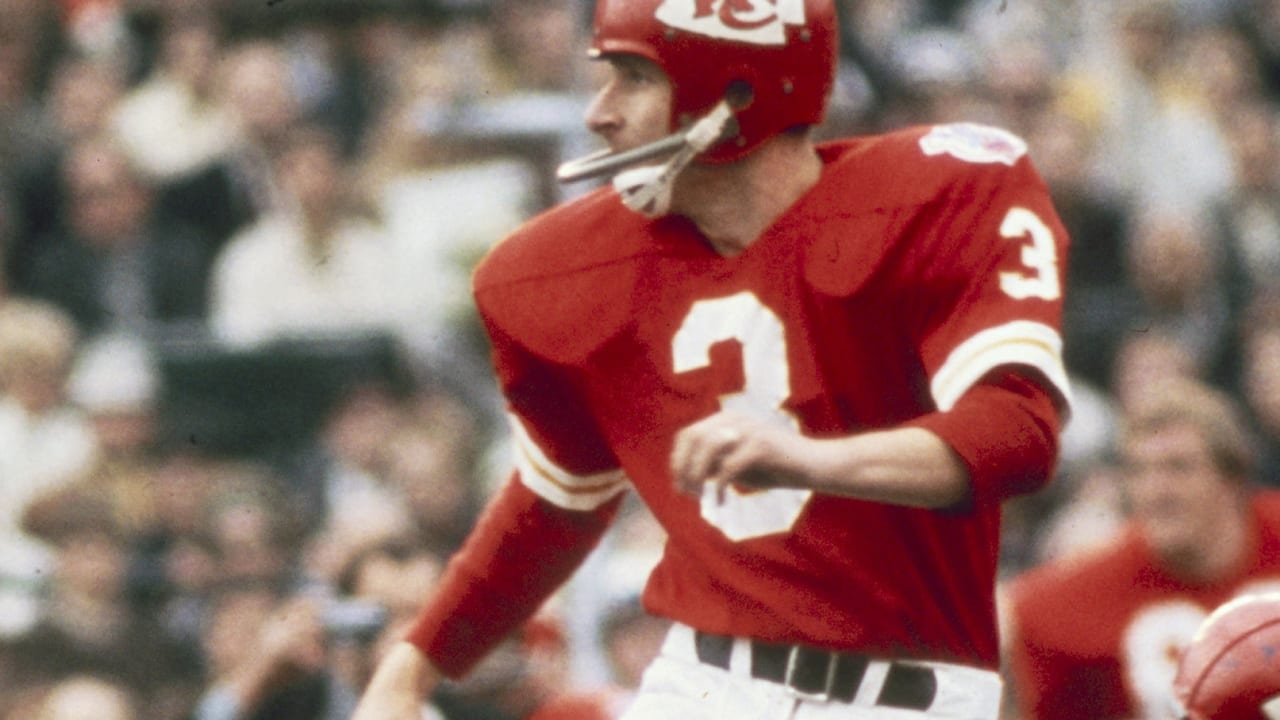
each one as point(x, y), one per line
point(561, 285)
point(871, 187)
point(875, 189)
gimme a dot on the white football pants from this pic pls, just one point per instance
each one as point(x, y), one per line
point(677, 686)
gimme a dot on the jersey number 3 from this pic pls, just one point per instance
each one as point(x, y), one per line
point(1040, 257)
point(742, 317)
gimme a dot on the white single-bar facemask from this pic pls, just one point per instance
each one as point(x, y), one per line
point(647, 189)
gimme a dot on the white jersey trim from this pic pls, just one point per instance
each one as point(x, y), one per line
point(555, 484)
point(1021, 342)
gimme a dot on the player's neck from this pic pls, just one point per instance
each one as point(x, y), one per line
point(734, 204)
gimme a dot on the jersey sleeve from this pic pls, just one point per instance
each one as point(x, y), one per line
point(560, 454)
point(537, 531)
point(522, 550)
point(1005, 431)
point(987, 281)
point(993, 269)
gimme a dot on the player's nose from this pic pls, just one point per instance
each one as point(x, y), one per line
point(602, 116)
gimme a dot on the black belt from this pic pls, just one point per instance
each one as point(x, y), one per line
point(821, 674)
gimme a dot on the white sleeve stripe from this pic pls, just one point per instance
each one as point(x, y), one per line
point(576, 487)
point(557, 485)
point(561, 495)
point(1021, 342)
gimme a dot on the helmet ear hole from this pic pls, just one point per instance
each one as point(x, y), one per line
point(739, 95)
point(732, 129)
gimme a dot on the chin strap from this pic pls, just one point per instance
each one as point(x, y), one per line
point(647, 189)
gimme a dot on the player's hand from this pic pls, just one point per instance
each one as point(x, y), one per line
point(400, 686)
point(733, 448)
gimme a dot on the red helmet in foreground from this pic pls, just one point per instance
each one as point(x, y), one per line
point(783, 50)
point(1231, 670)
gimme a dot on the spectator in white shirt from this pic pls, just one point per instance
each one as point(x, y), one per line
point(45, 443)
point(316, 268)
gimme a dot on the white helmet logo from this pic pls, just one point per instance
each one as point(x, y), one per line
point(760, 22)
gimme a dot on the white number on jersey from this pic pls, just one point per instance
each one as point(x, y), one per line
point(742, 317)
point(1152, 644)
point(1154, 641)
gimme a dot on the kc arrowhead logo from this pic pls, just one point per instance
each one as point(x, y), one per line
point(760, 22)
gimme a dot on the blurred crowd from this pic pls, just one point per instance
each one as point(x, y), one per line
point(226, 179)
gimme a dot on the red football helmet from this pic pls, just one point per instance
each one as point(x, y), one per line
point(783, 50)
point(1231, 670)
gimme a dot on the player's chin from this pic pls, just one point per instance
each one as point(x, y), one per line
point(1173, 536)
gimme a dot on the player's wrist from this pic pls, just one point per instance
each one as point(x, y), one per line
point(404, 680)
point(418, 674)
point(903, 466)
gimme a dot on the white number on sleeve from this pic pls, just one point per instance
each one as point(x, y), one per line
point(744, 318)
point(1040, 257)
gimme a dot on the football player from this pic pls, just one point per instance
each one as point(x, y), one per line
point(823, 367)
point(1098, 636)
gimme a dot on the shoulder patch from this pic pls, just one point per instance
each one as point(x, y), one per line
point(975, 143)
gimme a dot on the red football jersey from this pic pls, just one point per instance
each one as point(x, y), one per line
point(1099, 637)
point(920, 262)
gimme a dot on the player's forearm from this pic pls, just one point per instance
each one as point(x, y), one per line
point(403, 681)
point(998, 440)
point(907, 466)
point(902, 466)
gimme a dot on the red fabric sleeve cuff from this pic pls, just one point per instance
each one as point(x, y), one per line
point(522, 550)
point(1005, 431)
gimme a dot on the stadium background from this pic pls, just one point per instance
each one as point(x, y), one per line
point(203, 497)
